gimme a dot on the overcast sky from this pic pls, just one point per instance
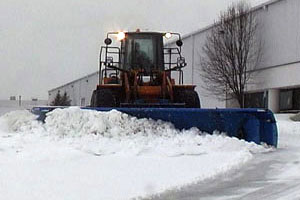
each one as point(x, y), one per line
point(47, 43)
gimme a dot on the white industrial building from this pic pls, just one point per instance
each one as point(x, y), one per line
point(277, 81)
point(79, 91)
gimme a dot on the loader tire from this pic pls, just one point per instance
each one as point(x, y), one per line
point(241, 134)
point(93, 102)
point(189, 97)
point(103, 98)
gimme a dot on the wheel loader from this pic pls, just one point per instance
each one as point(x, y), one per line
point(138, 73)
point(137, 77)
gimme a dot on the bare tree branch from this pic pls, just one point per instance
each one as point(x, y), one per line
point(231, 53)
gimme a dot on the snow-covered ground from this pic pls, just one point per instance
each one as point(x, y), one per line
point(4, 110)
point(269, 176)
point(82, 154)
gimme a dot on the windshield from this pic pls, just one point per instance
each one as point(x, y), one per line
point(142, 52)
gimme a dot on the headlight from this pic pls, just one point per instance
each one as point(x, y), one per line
point(168, 35)
point(121, 35)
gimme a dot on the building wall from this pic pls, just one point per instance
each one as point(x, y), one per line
point(192, 51)
point(279, 29)
point(280, 32)
point(79, 91)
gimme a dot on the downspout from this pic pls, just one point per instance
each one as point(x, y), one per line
point(193, 57)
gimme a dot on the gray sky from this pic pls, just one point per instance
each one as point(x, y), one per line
point(46, 43)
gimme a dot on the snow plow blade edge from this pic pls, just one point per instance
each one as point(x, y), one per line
point(253, 125)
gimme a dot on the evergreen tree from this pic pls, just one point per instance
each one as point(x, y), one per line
point(61, 100)
point(65, 100)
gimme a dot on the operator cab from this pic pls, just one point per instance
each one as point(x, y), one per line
point(143, 52)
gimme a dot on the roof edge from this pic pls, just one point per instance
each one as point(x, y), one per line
point(205, 28)
point(69, 83)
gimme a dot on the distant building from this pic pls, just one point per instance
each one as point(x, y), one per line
point(23, 104)
point(12, 98)
point(277, 83)
point(79, 91)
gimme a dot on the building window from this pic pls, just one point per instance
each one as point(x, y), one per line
point(289, 99)
point(285, 100)
point(256, 100)
point(12, 98)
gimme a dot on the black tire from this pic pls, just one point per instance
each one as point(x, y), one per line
point(93, 102)
point(189, 97)
point(241, 134)
point(103, 98)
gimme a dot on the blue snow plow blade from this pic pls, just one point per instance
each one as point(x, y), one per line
point(253, 125)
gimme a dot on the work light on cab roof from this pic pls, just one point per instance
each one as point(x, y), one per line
point(168, 35)
point(121, 35)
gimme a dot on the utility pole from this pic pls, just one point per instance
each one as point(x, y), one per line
point(20, 100)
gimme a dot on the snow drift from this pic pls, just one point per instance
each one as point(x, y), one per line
point(115, 132)
point(151, 155)
point(77, 122)
point(19, 121)
point(286, 125)
point(295, 117)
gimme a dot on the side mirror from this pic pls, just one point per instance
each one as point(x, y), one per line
point(107, 41)
point(179, 43)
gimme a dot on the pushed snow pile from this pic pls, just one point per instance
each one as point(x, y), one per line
point(18, 121)
point(113, 132)
point(295, 117)
point(77, 122)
